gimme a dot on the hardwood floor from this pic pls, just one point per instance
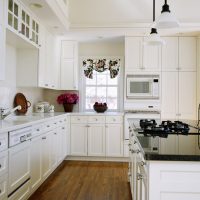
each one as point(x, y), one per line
point(77, 180)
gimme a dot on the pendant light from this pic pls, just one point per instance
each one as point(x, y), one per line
point(154, 38)
point(167, 19)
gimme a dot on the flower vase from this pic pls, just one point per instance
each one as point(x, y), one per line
point(68, 107)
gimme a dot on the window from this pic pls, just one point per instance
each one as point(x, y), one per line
point(101, 89)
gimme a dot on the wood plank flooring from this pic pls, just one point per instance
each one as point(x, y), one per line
point(83, 180)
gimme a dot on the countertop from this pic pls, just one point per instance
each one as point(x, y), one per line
point(175, 157)
point(15, 122)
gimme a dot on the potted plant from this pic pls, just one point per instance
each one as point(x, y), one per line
point(68, 100)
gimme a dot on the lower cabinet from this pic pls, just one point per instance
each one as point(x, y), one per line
point(36, 162)
point(46, 155)
point(79, 139)
point(96, 140)
point(3, 187)
point(114, 140)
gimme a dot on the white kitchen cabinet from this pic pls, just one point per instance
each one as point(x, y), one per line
point(151, 58)
point(133, 53)
point(69, 65)
point(170, 54)
point(54, 149)
point(64, 141)
point(186, 145)
point(141, 57)
point(79, 139)
point(3, 187)
point(114, 140)
point(2, 52)
point(188, 53)
point(179, 95)
point(2, 12)
point(96, 140)
point(3, 163)
point(187, 95)
point(36, 162)
point(169, 96)
point(46, 155)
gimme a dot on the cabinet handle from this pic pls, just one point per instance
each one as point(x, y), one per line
point(48, 126)
point(139, 176)
point(138, 151)
point(0, 166)
point(53, 86)
point(135, 142)
point(63, 128)
point(0, 191)
point(55, 133)
point(46, 84)
point(132, 135)
point(44, 138)
point(132, 151)
point(38, 129)
point(0, 143)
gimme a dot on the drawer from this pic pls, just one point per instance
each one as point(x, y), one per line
point(38, 129)
point(96, 119)
point(22, 193)
point(49, 126)
point(3, 141)
point(114, 119)
point(3, 162)
point(3, 187)
point(78, 119)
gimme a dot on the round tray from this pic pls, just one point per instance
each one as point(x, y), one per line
point(20, 99)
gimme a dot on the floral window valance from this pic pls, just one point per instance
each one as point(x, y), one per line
point(101, 65)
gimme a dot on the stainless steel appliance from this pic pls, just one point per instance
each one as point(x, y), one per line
point(142, 86)
point(149, 144)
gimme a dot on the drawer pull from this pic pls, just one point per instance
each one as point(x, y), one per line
point(63, 128)
point(48, 126)
point(44, 138)
point(0, 191)
point(55, 133)
point(0, 143)
point(0, 166)
point(38, 129)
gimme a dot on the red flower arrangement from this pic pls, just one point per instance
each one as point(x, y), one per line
point(70, 98)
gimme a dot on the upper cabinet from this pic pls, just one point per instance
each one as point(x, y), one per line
point(22, 22)
point(179, 54)
point(141, 57)
point(170, 54)
point(69, 65)
point(187, 53)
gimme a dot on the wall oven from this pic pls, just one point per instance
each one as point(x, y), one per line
point(142, 86)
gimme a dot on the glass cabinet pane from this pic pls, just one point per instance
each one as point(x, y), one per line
point(33, 25)
point(37, 28)
point(16, 9)
point(23, 16)
point(15, 23)
point(36, 40)
point(23, 29)
point(10, 5)
point(27, 32)
point(10, 19)
point(27, 20)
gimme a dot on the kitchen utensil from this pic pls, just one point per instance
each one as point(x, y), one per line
point(20, 99)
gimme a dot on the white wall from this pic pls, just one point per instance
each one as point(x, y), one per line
point(32, 94)
point(110, 48)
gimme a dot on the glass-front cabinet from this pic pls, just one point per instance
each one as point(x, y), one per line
point(21, 21)
point(13, 14)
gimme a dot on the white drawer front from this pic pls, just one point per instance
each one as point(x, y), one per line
point(96, 119)
point(78, 119)
point(22, 193)
point(3, 162)
point(114, 119)
point(49, 126)
point(3, 141)
point(3, 187)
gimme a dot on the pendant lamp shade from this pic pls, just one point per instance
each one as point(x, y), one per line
point(167, 19)
point(154, 39)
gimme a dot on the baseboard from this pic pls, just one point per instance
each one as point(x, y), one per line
point(90, 158)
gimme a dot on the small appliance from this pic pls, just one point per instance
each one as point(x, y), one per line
point(142, 86)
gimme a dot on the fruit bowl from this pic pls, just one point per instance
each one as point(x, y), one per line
point(100, 107)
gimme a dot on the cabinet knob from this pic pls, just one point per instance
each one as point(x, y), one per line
point(38, 129)
point(44, 138)
point(55, 133)
point(46, 84)
point(63, 128)
point(48, 126)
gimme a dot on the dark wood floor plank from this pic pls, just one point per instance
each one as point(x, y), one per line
point(84, 180)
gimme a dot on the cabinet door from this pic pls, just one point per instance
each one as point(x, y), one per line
point(133, 50)
point(64, 134)
point(2, 52)
point(67, 74)
point(170, 54)
point(151, 58)
point(19, 165)
point(68, 49)
point(169, 145)
point(169, 95)
point(3, 187)
point(114, 140)
point(42, 57)
point(54, 149)
point(46, 155)
point(36, 163)
point(96, 140)
point(186, 145)
point(79, 139)
point(187, 53)
point(187, 95)
point(13, 15)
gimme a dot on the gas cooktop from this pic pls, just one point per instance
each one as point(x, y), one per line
point(151, 128)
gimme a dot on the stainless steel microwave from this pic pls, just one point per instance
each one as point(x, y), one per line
point(142, 86)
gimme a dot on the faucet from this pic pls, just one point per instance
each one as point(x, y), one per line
point(4, 114)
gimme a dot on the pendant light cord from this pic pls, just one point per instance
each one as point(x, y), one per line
point(153, 10)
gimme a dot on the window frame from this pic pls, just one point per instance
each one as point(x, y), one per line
point(83, 83)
